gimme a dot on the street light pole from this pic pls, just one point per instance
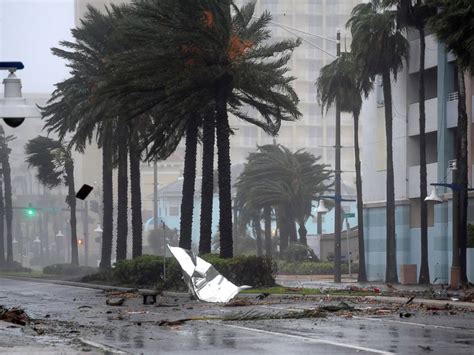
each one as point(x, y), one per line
point(164, 250)
point(337, 183)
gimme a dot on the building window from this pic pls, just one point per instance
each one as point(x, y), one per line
point(174, 211)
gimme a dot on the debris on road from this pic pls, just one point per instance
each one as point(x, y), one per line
point(425, 348)
point(14, 315)
point(342, 306)
point(115, 302)
point(262, 295)
point(149, 293)
point(166, 305)
point(241, 302)
point(203, 280)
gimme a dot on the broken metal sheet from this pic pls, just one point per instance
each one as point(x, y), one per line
point(203, 280)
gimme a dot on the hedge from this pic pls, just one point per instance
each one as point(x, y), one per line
point(68, 270)
point(147, 270)
point(312, 268)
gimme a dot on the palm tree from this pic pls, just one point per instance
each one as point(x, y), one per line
point(5, 161)
point(207, 188)
point(54, 163)
point(341, 82)
point(135, 192)
point(289, 182)
point(415, 14)
point(216, 60)
point(380, 48)
point(451, 26)
point(189, 176)
point(122, 196)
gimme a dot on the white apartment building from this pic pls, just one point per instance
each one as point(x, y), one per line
point(441, 120)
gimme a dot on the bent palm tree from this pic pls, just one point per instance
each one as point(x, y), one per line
point(380, 49)
point(340, 82)
point(54, 163)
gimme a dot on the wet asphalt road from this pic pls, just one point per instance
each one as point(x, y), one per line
point(76, 320)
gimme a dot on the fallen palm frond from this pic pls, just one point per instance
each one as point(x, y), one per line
point(342, 306)
point(252, 315)
point(14, 315)
point(256, 315)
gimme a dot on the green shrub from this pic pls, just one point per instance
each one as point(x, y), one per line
point(14, 266)
point(311, 268)
point(147, 270)
point(245, 270)
point(299, 252)
point(68, 270)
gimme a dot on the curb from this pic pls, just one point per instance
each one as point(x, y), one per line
point(400, 300)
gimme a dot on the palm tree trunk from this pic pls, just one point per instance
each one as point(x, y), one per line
point(362, 275)
point(292, 227)
point(136, 196)
point(303, 233)
point(207, 188)
point(2, 232)
point(391, 274)
point(258, 235)
point(8, 207)
point(187, 202)
point(71, 200)
point(424, 277)
point(462, 174)
point(107, 202)
point(267, 215)
point(122, 195)
point(283, 227)
point(223, 89)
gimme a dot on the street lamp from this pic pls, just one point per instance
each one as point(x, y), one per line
point(13, 107)
point(434, 197)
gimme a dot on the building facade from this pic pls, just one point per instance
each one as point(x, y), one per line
point(441, 120)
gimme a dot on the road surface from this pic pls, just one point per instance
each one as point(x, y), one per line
point(76, 320)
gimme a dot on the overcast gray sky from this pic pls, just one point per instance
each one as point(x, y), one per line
point(28, 29)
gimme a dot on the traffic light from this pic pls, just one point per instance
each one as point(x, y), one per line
point(30, 211)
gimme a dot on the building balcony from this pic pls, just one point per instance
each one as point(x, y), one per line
point(414, 178)
point(431, 110)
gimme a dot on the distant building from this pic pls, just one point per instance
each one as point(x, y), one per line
point(441, 120)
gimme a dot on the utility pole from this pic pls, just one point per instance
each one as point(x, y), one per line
point(456, 266)
point(155, 195)
point(86, 232)
point(337, 183)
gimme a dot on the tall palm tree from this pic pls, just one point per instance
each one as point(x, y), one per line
point(54, 163)
point(216, 59)
point(122, 188)
point(380, 48)
point(341, 82)
point(135, 192)
point(207, 188)
point(6, 171)
point(415, 14)
point(452, 25)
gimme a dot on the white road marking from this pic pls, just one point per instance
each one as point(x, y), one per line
point(413, 323)
point(300, 337)
point(101, 346)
